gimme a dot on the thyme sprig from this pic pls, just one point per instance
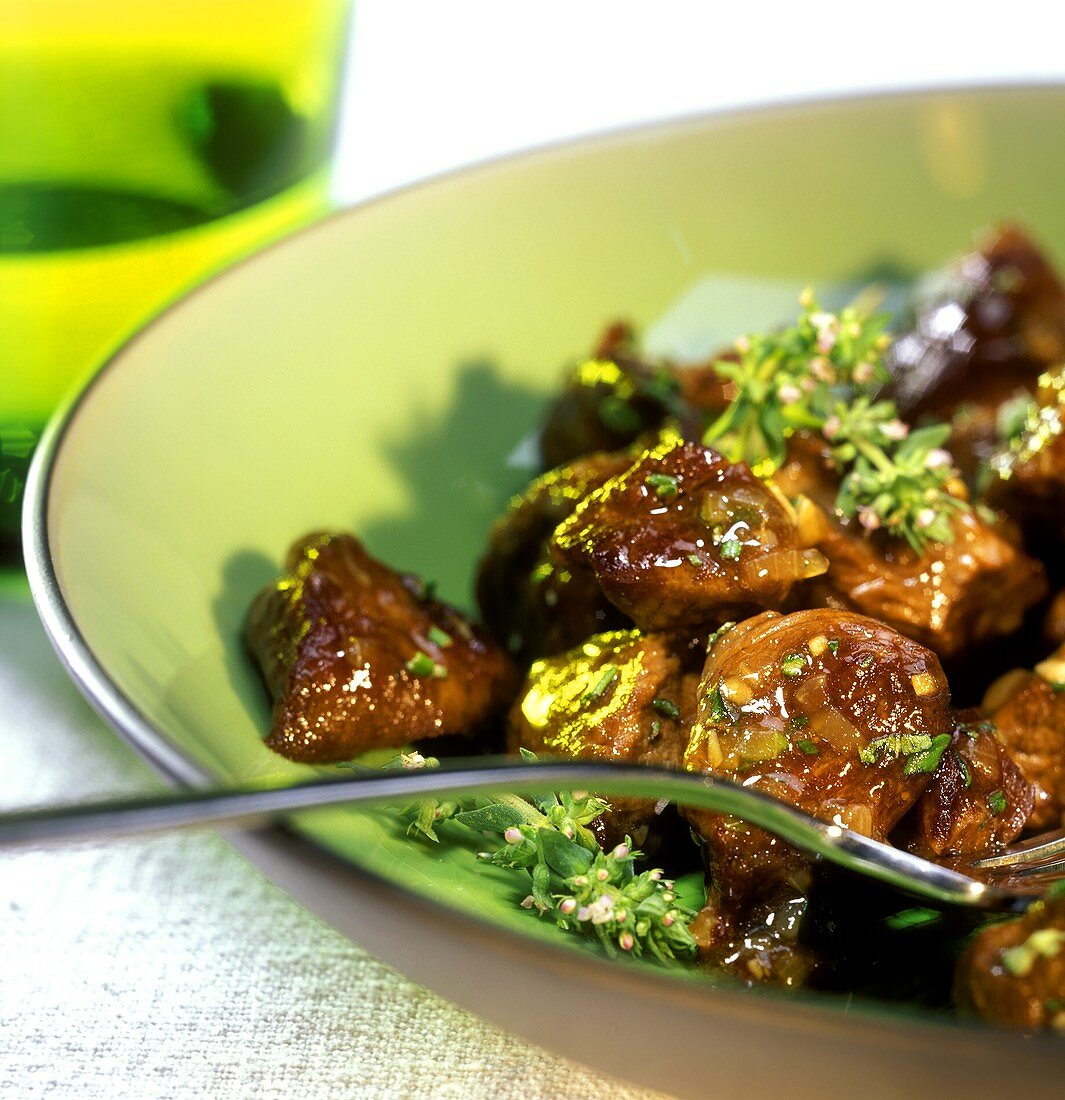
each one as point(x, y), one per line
point(821, 374)
point(572, 880)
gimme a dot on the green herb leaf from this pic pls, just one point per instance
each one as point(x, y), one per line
point(916, 917)
point(422, 665)
point(966, 773)
point(808, 747)
point(730, 549)
point(665, 486)
point(996, 802)
point(718, 710)
point(439, 637)
point(927, 760)
point(602, 685)
point(793, 664)
point(821, 374)
point(666, 707)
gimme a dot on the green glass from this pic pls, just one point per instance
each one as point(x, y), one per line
point(141, 148)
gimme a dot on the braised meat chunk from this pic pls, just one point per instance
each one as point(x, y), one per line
point(978, 800)
point(683, 539)
point(611, 399)
point(531, 604)
point(357, 656)
point(950, 598)
point(1013, 972)
point(1028, 713)
point(984, 332)
point(829, 711)
point(1028, 474)
point(620, 696)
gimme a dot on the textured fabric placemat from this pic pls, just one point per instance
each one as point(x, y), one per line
point(171, 967)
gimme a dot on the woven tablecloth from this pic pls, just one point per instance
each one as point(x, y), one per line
point(171, 967)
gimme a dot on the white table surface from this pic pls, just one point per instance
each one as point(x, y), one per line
point(170, 967)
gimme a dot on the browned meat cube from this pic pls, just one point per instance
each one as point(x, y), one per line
point(684, 540)
point(612, 399)
point(829, 711)
point(1013, 972)
point(1054, 620)
point(357, 657)
point(950, 598)
point(531, 604)
point(620, 696)
point(986, 332)
point(1028, 711)
point(978, 800)
point(1028, 476)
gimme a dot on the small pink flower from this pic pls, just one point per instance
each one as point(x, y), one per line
point(621, 851)
point(567, 905)
point(668, 919)
point(895, 430)
point(625, 941)
point(789, 393)
point(832, 427)
point(868, 519)
point(513, 835)
point(864, 372)
point(602, 874)
point(938, 458)
point(925, 518)
point(822, 369)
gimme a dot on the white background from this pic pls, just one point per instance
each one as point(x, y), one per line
point(433, 85)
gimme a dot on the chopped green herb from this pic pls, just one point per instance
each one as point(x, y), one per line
point(694, 559)
point(823, 374)
point(730, 549)
point(894, 744)
point(966, 774)
point(913, 918)
point(833, 646)
point(718, 711)
point(439, 637)
point(665, 486)
point(723, 629)
point(602, 685)
point(928, 759)
point(793, 664)
point(1057, 686)
point(799, 722)
point(1045, 942)
point(867, 661)
point(996, 802)
point(808, 747)
point(656, 729)
point(974, 729)
point(666, 707)
point(422, 665)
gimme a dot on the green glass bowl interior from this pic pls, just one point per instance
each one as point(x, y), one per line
point(380, 372)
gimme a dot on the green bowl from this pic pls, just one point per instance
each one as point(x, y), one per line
point(379, 373)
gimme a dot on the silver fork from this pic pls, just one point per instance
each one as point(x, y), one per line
point(1030, 866)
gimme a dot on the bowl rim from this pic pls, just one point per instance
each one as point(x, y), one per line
point(877, 1023)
